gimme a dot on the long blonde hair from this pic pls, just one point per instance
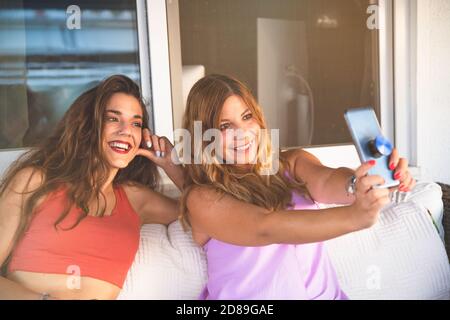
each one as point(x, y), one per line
point(204, 103)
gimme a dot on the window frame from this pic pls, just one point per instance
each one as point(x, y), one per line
point(158, 48)
point(154, 71)
point(405, 84)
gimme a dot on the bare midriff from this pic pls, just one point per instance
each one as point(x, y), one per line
point(66, 287)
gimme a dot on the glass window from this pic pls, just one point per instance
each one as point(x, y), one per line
point(51, 52)
point(306, 61)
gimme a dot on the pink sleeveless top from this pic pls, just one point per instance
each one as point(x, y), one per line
point(274, 272)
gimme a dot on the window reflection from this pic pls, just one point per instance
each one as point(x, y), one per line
point(45, 65)
point(307, 61)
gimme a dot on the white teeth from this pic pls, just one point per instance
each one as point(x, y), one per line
point(119, 145)
point(245, 147)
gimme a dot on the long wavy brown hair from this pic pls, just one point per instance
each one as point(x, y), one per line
point(204, 103)
point(72, 157)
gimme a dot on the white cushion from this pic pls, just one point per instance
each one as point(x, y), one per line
point(167, 266)
point(401, 257)
point(429, 195)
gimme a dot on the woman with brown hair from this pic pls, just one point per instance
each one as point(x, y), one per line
point(263, 233)
point(71, 209)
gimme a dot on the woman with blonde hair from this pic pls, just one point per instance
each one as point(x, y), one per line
point(263, 234)
point(71, 209)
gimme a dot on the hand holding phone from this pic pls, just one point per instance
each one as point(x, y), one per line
point(370, 143)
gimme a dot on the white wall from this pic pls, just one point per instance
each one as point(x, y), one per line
point(7, 157)
point(433, 89)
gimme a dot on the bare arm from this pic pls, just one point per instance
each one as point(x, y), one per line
point(10, 215)
point(175, 173)
point(326, 185)
point(227, 219)
point(152, 206)
point(224, 218)
point(161, 153)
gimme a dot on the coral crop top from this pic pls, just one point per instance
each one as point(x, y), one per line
point(99, 247)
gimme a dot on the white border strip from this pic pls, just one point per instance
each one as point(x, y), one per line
point(160, 68)
point(144, 57)
point(386, 68)
point(413, 128)
point(405, 78)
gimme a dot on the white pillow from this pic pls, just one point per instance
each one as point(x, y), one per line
point(401, 257)
point(429, 195)
point(167, 266)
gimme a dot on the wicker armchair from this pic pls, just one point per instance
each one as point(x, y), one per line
point(446, 220)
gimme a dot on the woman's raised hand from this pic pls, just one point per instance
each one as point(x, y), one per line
point(401, 172)
point(369, 200)
point(155, 148)
point(159, 150)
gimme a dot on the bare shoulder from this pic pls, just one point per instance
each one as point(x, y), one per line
point(134, 188)
point(294, 155)
point(206, 204)
point(17, 191)
point(202, 197)
point(199, 202)
point(300, 160)
point(26, 180)
point(137, 194)
point(151, 205)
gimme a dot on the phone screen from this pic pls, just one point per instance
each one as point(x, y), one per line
point(370, 143)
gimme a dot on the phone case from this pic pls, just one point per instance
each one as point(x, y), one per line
point(370, 143)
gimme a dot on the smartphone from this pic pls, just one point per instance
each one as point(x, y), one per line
point(370, 143)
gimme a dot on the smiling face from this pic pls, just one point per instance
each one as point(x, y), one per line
point(240, 131)
point(122, 130)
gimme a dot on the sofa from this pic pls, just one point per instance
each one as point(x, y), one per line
point(401, 257)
